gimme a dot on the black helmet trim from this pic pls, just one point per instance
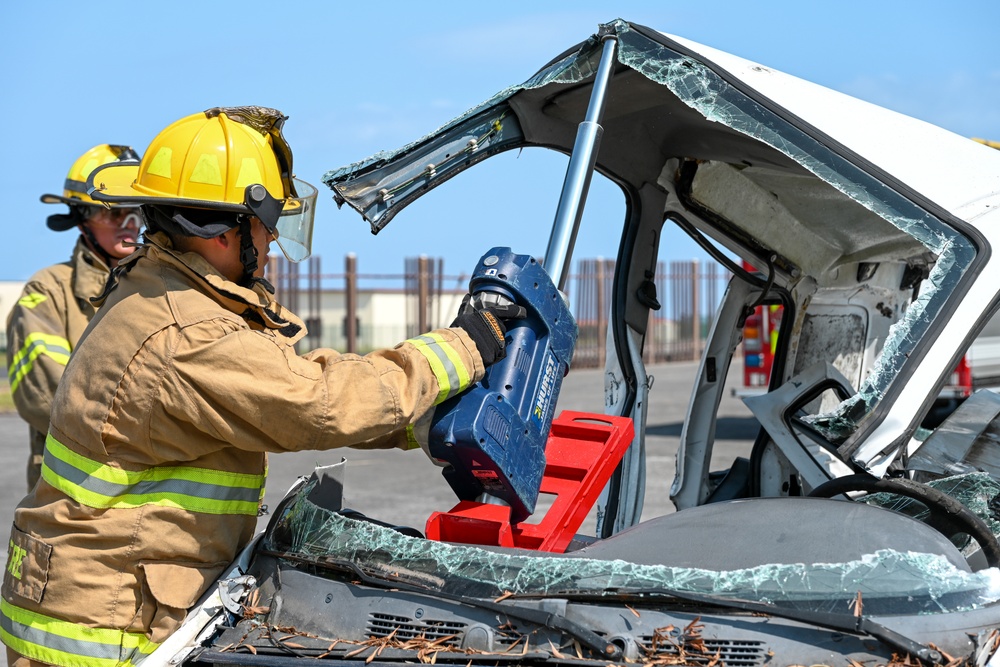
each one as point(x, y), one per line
point(74, 185)
point(204, 223)
point(259, 204)
point(61, 222)
point(125, 153)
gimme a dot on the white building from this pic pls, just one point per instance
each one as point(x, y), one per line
point(385, 317)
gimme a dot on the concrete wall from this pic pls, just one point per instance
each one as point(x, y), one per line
point(385, 318)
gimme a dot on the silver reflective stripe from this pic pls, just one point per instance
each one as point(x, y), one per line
point(59, 642)
point(149, 488)
point(101, 486)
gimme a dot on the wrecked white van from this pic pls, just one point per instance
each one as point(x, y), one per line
point(850, 535)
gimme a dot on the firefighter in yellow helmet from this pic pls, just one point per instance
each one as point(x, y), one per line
point(155, 459)
point(49, 318)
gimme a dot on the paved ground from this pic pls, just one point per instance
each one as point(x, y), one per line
point(405, 487)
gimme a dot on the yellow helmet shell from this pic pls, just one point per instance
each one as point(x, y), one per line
point(991, 144)
point(220, 159)
point(198, 161)
point(75, 186)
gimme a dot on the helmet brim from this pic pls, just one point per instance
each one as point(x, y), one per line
point(69, 201)
point(77, 201)
point(114, 183)
point(61, 222)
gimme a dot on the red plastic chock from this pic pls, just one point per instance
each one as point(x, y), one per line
point(581, 453)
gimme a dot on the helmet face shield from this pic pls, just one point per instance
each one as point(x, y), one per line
point(295, 224)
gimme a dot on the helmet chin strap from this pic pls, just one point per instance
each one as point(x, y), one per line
point(95, 247)
point(248, 256)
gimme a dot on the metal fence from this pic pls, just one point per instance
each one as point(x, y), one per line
point(688, 294)
point(424, 298)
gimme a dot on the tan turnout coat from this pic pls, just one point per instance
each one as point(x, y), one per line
point(43, 327)
point(155, 461)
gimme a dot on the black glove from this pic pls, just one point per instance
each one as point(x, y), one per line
point(486, 328)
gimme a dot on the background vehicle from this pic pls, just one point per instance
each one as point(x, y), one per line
point(881, 265)
point(760, 342)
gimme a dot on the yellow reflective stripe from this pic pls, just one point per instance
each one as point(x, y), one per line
point(411, 439)
point(263, 483)
point(35, 344)
point(59, 642)
point(31, 299)
point(203, 490)
point(464, 380)
point(444, 383)
point(160, 164)
point(446, 364)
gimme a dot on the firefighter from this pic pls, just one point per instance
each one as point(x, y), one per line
point(54, 309)
point(154, 462)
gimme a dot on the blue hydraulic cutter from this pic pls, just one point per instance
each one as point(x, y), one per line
point(493, 435)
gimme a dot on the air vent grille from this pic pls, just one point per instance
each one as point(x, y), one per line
point(383, 625)
point(731, 652)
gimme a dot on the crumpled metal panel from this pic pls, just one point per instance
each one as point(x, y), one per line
point(383, 184)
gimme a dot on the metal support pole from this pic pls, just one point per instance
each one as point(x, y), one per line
point(315, 303)
point(351, 301)
point(695, 311)
point(423, 293)
point(602, 316)
point(578, 173)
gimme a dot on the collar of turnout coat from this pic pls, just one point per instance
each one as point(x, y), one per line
point(255, 305)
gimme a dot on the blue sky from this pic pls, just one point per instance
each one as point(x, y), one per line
point(358, 79)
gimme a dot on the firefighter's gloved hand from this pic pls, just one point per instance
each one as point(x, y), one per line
point(486, 328)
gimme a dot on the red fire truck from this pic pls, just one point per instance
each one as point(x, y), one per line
point(760, 340)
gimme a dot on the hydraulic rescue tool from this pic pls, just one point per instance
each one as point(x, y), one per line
point(493, 436)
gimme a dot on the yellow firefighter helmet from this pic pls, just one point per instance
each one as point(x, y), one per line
point(231, 159)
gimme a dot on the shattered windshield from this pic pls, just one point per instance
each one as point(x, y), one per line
point(978, 491)
point(888, 582)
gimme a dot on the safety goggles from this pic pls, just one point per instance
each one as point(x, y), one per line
point(119, 217)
